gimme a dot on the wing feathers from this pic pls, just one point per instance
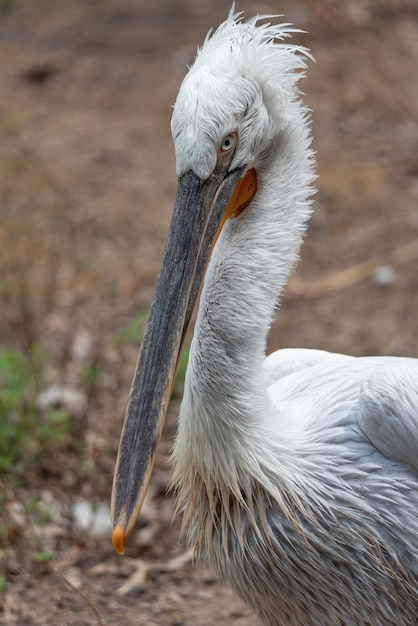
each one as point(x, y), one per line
point(388, 412)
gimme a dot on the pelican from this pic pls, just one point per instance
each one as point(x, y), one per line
point(296, 473)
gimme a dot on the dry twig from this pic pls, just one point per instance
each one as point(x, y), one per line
point(81, 594)
point(352, 275)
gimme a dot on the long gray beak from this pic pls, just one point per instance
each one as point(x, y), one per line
point(199, 211)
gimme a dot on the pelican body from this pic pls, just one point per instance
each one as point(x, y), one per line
point(297, 473)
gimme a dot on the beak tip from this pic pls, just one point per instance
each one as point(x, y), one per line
point(118, 539)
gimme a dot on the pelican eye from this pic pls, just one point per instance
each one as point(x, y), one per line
point(228, 143)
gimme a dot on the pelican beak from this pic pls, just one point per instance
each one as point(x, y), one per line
point(200, 210)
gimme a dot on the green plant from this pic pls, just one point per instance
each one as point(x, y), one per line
point(134, 330)
point(37, 511)
point(90, 374)
point(41, 557)
point(25, 430)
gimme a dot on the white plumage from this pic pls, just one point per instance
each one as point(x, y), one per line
point(297, 473)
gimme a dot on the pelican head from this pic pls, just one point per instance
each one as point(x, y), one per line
point(240, 85)
point(230, 113)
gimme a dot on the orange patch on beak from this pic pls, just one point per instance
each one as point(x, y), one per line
point(244, 192)
point(118, 539)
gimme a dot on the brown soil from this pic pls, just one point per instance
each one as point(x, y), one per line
point(86, 190)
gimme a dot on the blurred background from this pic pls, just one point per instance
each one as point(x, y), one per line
point(87, 183)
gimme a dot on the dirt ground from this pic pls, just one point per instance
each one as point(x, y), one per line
point(87, 182)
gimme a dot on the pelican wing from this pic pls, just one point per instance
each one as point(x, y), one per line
point(388, 411)
point(287, 361)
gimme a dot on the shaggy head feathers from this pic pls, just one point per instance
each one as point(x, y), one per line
point(243, 80)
